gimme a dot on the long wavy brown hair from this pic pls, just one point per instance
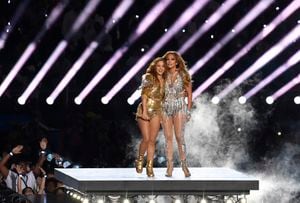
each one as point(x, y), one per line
point(152, 67)
point(181, 66)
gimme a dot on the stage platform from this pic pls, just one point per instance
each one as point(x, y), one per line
point(112, 181)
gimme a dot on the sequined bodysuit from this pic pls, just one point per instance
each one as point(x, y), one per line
point(155, 96)
point(174, 96)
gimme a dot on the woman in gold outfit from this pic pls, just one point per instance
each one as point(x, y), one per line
point(149, 112)
point(176, 111)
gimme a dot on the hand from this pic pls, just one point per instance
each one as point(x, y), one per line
point(43, 143)
point(56, 156)
point(17, 149)
point(145, 117)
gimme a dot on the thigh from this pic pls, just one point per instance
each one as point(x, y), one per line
point(144, 128)
point(154, 127)
point(167, 125)
point(179, 120)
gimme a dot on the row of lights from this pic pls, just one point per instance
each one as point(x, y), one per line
point(242, 100)
point(83, 199)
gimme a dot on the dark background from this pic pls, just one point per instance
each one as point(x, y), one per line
point(98, 135)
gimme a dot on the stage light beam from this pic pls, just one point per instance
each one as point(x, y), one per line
point(290, 9)
point(55, 13)
point(264, 59)
point(288, 64)
point(12, 23)
point(245, 21)
point(117, 15)
point(83, 16)
point(187, 15)
point(150, 17)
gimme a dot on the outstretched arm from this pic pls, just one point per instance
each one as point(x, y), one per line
point(42, 157)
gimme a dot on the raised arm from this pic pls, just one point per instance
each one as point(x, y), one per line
point(3, 168)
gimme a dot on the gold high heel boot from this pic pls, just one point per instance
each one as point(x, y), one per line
point(169, 169)
point(185, 169)
point(149, 168)
point(139, 162)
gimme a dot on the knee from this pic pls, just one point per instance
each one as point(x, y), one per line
point(145, 140)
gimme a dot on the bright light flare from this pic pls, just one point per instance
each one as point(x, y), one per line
point(297, 100)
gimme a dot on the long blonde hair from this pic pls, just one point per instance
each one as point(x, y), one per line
point(181, 66)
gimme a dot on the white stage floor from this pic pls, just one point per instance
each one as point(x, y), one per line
point(120, 180)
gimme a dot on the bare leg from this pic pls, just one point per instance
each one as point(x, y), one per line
point(179, 124)
point(167, 124)
point(154, 128)
point(145, 129)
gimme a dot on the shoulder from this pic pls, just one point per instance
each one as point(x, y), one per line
point(148, 77)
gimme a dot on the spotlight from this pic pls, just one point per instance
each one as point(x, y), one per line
point(212, 36)
point(277, 8)
point(130, 101)
point(152, 201)
point(85, 201)
point(183, 30)
point(166, 29)
point(203, 200)
point(104, 100)
point(21, 100)
point(114, 21)
point(100, 201)
point(229, 200)
point(8, 1)
point(215, 100)
point(137, 16)
point(269, 100)
point(239, 129)
point(297, 100)
point(46, 15)
point(50, 100)
point(177, 201)
point(298, 21)
point(206, 21)
point(242, 100)
point(126, 201)
point(243, 199)
point(142, 49)
point(77, 101)
point(8, 23)
point(233, 30)
point(279, 133)
point(264, 25)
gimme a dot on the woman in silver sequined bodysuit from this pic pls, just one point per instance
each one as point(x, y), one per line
point(175, 110)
